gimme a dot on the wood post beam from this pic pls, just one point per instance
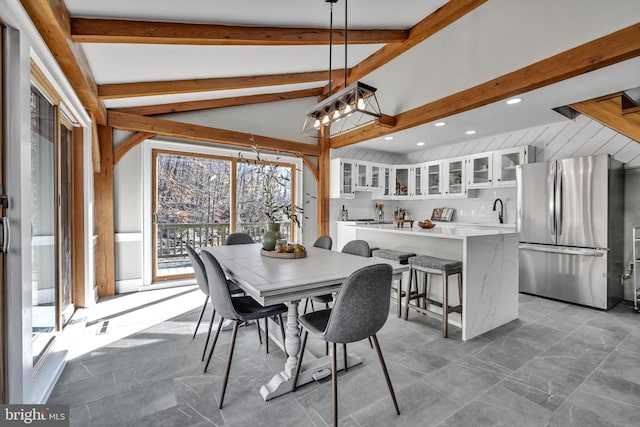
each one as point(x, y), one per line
point(608, 50)
point(324, 162)
point(609, 113)
point(307, 161)
point(95, 144)
point(129, 143)
point(208, 104)
point(52, 20)
point(104, 215)
point(85, 30)
point(175, 129)
point(171, 87)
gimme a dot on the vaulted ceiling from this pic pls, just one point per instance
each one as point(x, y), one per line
point(431, 60)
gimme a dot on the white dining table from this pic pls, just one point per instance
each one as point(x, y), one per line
point(288, 280)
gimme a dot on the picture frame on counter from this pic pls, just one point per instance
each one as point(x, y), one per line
point(442, 214)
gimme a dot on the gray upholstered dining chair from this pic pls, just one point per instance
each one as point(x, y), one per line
point(323, 242)
point(239, 239)
point(201, 279)
point(361, 309)
point(357, 247)
point(238, 309)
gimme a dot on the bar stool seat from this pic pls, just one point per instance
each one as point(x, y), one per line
point(434, 265)
point(402, 258)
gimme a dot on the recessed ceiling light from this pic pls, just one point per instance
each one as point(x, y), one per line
point(439, 124)
point(470, 132)
point(420, 144)
point(388, 138)
point(514, 101)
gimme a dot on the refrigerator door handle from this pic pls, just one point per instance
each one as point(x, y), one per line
point(551, 183)
point(563, 250)
point(558, 201)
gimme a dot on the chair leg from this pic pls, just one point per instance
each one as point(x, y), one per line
point(215, 340)
point(408, 299)
point(206, 343)
point(266, 333)
point(306, 304)
point(344, 354)
point(460, 294)
point(204, 307)
point(399, 298)
point(370, 343)
point(312, 307)
point(445, 304)
point(305, 335)
point(334, 383)
point(282, 331)
point(229, 358)
point(386, 374)
point(259, 333)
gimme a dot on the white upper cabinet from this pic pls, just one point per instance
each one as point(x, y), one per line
point(401, 179)
point(454, 177)
point(433, 179)
point(480, 170)
point(342, 179)
point(368, 176)
point(496, 168)
point(505, 162)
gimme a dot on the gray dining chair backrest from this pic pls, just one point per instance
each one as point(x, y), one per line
point(198, 268)
point(323, 242)
point(218, 288)
point(361, 306)
point(239, 239)
point(357, 247)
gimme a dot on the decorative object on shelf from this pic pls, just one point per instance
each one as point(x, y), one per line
point(288, 252)
point(401, 222)
point(352, 107)
point(426, 224)
point(447, 214)
point(437, 214)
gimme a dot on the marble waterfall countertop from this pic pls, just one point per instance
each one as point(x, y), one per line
point(446, 231)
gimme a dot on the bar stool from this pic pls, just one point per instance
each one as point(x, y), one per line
point(402, 258)
point(432, 265)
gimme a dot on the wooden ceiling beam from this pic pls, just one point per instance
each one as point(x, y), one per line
point(172, 87)
point(207, 104)
point(609, 113)
point(436, 21)
point(52, 20)
point(611, 49)
point(175, 129)
point(85, 30)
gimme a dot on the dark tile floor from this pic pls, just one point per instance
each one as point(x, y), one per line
point(557, 365)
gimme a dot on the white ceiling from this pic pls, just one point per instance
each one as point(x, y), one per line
point(496, 38)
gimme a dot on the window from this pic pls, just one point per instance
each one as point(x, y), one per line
point(200, 199)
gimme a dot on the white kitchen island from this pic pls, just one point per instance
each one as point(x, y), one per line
point(490, 268)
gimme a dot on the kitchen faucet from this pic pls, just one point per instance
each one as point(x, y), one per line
point(501, 213)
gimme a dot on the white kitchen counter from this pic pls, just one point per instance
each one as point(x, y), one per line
point(490, 267)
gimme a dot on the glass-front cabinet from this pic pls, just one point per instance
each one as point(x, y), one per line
point(362, 175)
point(417, 188)
point(387, 190)
point(368, 176)
point(480, 170)
point(433, 179)
point(342, 179)
point(375, 176)
point(401, 175)
point(505, 162)
point(453, 171)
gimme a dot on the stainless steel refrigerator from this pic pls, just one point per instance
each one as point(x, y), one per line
point(570, 219)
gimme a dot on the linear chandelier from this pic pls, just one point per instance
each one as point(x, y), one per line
point(354, 106)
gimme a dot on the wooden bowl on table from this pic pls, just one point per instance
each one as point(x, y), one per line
point(426, 224)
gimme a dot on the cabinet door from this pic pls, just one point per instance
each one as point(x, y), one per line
point(433, 179)
point(346, 173)
point(454, 173)
point(480, 172)
point(375, 175)
point(402, 181)
point(417, 187)
point(362, 176)
point(387, 180)
point(505, 162)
